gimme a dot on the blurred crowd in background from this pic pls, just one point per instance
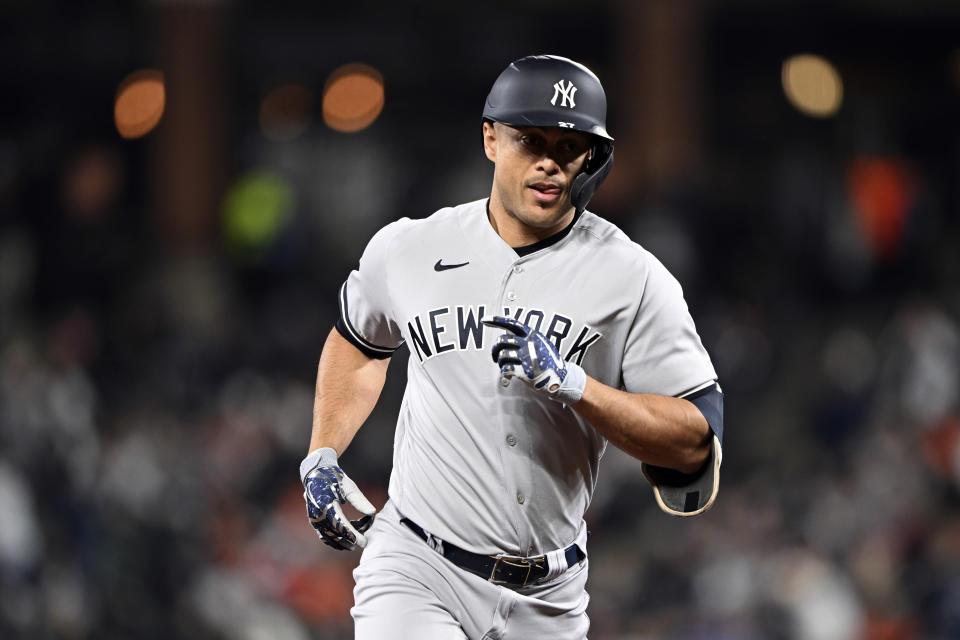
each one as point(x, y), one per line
point(185, 184)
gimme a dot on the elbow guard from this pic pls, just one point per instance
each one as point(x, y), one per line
point(690, 494)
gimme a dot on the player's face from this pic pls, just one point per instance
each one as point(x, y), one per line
point(534, 170)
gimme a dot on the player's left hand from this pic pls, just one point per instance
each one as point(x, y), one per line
point(526, 354)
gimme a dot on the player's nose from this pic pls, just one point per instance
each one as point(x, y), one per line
point(548, 165)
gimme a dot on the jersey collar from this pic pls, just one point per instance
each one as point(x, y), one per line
point(526, 250)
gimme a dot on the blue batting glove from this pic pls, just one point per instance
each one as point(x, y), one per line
point(325, 488)
point(526, 354)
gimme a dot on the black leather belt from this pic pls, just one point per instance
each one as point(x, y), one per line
point(499, 569)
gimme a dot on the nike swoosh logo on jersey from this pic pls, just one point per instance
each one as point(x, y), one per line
point(443, 267)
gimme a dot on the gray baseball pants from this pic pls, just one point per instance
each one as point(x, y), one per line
point(405, 589)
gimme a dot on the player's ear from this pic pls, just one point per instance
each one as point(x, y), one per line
point(490, 140)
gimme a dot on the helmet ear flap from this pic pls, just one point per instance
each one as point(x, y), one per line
point(595, 171)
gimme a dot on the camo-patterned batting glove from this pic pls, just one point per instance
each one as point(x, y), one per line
point(325, 488)
point(526, 354)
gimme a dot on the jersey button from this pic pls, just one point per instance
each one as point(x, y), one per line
point(512, 440)
point(511, 296)
point(518, 269)
point(520, 498)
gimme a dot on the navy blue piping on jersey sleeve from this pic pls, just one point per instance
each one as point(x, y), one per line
point(709, 400)
point(351, 335)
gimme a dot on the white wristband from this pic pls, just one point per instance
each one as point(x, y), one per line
point(324, 455)
point(571, 389)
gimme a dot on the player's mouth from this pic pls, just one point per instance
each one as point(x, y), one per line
point(546, 192)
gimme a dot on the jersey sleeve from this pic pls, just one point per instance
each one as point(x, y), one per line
point(663, 353)
point(366, 311)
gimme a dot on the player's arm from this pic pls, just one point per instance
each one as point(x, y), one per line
point(659, 430)
point(350, 377)
point(349, 383)
point(348, 387)
point(677, 439)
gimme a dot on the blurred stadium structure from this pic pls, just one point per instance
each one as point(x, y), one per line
point(184, 185)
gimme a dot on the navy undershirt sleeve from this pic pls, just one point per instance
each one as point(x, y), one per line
point(710, 403)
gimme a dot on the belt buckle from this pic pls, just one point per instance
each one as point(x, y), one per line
point(513, 561)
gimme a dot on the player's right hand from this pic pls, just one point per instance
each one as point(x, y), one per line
point(525, 353)
point(325, 488)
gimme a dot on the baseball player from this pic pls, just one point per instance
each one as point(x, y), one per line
point(538, 333)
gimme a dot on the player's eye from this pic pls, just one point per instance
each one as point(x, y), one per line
point(570, 150)
point(532, 141)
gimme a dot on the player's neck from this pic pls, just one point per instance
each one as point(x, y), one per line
point(517, 234)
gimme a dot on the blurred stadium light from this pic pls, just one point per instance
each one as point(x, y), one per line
point(812, 85)
point(353, 97)
point(139, 104)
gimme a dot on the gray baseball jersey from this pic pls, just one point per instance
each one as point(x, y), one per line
point(494, 468)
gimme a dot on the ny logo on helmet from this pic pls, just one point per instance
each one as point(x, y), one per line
point(565, 92)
